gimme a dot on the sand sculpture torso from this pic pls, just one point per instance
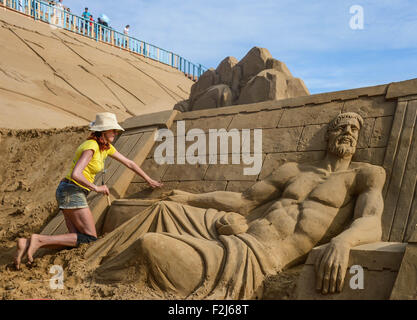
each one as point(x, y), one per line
point(223, 244)
point(313, 198)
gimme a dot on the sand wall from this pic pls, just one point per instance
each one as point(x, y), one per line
point(294, 130)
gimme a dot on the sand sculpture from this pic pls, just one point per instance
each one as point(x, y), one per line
point(223, 244)
point(257, 77)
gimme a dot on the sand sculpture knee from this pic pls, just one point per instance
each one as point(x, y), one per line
point(265, 229)
point(172, 264)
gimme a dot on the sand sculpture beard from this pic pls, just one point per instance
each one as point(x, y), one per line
point(343, 146)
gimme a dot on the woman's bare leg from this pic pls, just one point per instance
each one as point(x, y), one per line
point(70, 226)
point(82, 220)
point(61, 240)
point(71, 229)
point(78, 220)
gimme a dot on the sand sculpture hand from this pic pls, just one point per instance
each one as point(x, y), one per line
point(331, 266)
point(179, 196)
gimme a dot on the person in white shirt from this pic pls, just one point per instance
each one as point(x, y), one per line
point(126, 32)
point(59, 14)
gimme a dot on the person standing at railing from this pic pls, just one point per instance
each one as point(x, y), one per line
point(91, 25)
point(126, 33)
point(104, 21)
point(86, 15)
point(60, 5)
point(59, 16)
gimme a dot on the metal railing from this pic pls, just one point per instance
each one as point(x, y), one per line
point(61, 18)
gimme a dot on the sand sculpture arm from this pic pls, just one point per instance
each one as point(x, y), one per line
point(240, 202)
point(332, 263)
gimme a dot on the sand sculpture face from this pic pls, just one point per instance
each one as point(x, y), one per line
point(223, 244)
point(343, 135)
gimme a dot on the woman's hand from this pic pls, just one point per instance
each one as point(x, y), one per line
point(155, 184)
point(102, 189)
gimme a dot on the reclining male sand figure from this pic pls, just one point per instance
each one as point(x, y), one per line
point(223, 244)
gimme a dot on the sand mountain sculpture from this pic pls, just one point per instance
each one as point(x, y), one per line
point(257, 77)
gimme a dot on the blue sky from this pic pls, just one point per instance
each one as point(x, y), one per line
point(312, 37)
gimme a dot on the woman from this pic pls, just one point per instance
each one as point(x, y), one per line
point(73, 189)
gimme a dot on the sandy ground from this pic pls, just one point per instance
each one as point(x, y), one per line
point(53, 78)
point(34, 161)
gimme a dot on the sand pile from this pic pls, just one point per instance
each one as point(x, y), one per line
point(34, 282)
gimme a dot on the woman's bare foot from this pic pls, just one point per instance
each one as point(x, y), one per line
point(35, 244)
point(22, 248)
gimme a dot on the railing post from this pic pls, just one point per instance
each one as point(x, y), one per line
point(34, 5)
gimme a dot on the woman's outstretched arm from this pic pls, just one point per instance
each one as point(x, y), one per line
point(135, 168)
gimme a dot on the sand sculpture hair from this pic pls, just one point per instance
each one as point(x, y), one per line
point(350, 115)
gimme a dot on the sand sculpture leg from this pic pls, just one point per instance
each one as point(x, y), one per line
point(161, 261)
point(175, 247)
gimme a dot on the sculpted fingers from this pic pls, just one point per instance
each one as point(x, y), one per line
point(341, 276)
point(339, 280)
point(321, 270)
point(327, 273)
point(333, 277)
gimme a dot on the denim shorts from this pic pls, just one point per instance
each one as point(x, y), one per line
point(71, 196)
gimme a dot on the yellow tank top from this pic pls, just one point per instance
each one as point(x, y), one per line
point(96, 163)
